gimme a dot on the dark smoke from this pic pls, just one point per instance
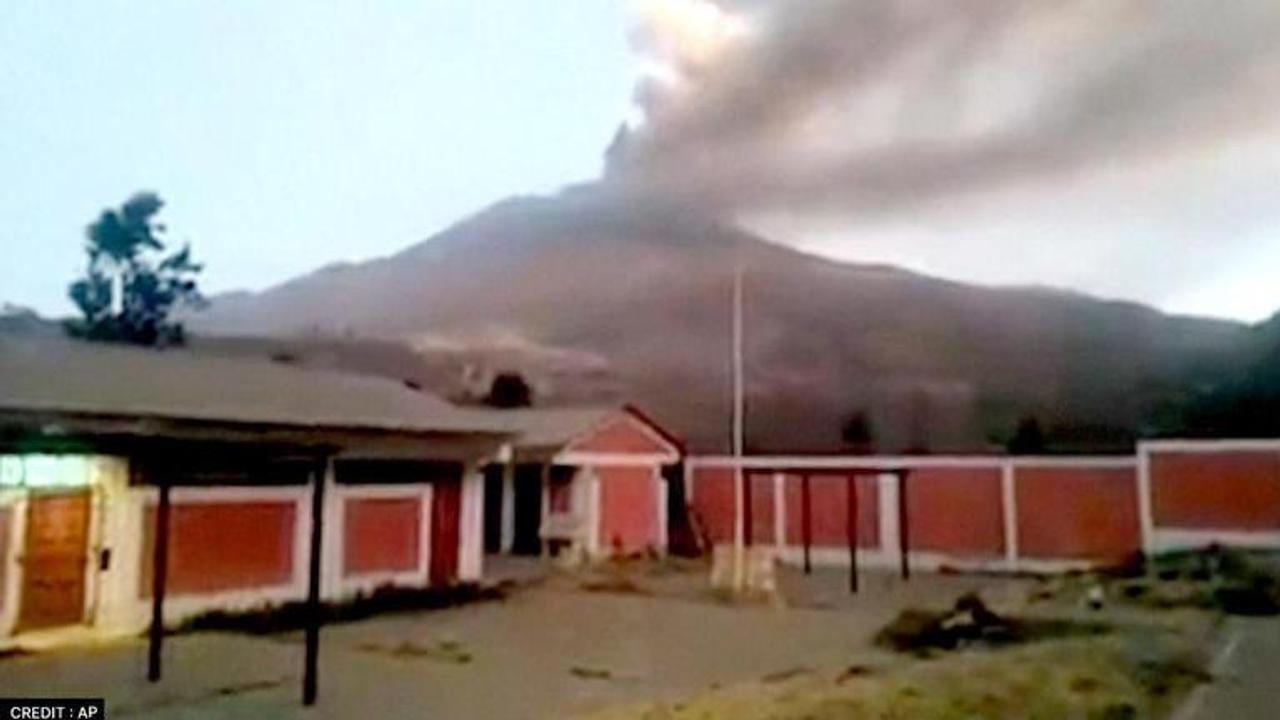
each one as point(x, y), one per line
point(877, 105)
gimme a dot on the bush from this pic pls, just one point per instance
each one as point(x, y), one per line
point(969, 623)
point(387, 599)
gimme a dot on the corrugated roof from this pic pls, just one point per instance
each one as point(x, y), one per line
point(92, 378)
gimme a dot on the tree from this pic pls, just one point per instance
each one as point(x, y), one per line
point(509, 390)
point(131, 287)
point(1028, 439)
point(857, 434)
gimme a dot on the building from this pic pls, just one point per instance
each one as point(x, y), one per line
point(412, 491)
point(89, 432)
point(583, 483)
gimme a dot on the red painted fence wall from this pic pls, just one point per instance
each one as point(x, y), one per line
point(1216, 490)
point(829, 510)
point(712, 502)
point(381, 535)
point(222, 546)
point(1077, 513)
point(955, 510)
point(762, 517)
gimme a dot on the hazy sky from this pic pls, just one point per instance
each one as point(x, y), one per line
point(288, 135)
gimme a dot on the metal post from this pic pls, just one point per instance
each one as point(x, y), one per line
point(313, 611)
point(544, 497)
point(806, 522)
point(507, 540)
point(748, 517)
point(904, 534)
point(739, 413)
point(851, 529)
point(159, 578)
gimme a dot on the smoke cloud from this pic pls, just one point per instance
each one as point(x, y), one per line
point(878, 105)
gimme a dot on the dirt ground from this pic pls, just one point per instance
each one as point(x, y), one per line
point(551, 649)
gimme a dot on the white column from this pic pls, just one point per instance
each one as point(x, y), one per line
point(544, 481)
point(298, 582)
point(471, 526)
point(15, 503)
point(887, 485)
point(739, 527)
point(123, 526)
point(664, 522)
point(1146, 516)
point(334, 540)
point(593, 512)
point(779, 511)
point(1009, 510)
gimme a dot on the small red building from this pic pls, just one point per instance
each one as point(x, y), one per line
point(588, 482)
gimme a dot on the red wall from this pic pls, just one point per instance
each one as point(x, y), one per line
point(829, 510)
point(381, 535)
point(221, 546)
point(1216, 490)
point(713, 502)
point(761, 509)
point(1077, 513)
point(955, 510)
point(629, 518)
point(623, 434)
point(1064, 512)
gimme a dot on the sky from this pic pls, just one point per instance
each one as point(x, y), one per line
point(288, 135)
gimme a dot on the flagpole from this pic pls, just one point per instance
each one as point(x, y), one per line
point(739, 495)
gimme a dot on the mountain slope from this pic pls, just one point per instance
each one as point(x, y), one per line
point(598, 299)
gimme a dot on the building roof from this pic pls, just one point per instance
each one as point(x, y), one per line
point(550, 427)
point(555, 428)
point(64, 376)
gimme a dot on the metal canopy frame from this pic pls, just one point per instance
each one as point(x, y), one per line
point(851, 476)
point(322, 463)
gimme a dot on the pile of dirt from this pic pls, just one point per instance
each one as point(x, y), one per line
point(971, 623)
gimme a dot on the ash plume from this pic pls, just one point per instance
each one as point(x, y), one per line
point(875, 105)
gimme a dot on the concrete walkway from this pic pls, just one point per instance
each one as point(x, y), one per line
point(1246, 669)
point(542, 653)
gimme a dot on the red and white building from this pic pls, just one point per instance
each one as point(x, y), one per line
point(586, 482)
point(89, 433)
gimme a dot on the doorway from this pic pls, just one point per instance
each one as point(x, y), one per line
point(493, 508)
point(528, 510)
point(446, 514)
point(55, 560)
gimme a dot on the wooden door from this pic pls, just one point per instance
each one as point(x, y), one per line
point(446, 516)
point(54, 560)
